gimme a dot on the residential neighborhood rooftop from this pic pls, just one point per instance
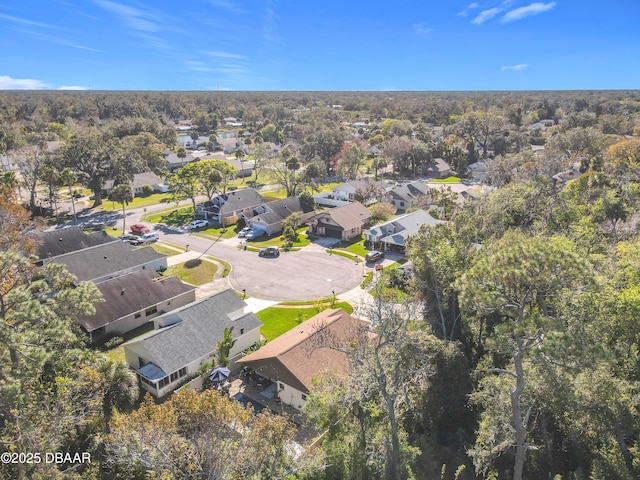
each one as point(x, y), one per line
point(131, 293)
point(305, 351)
point(197, 328)
point(66, 240)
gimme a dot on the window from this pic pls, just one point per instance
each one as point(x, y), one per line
point(304, 397)
point(402, 204)
point(241, 331)
point(178, 374)
point(164, 382)
point(138, 315)
point(151, 310)
point(282, 386)
point(142, 362)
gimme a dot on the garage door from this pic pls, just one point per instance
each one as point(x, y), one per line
point(332, 232)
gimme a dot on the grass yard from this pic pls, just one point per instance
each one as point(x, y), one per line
point(196, 272)
point(172, 216)
point(355, 246)
point(451, 179)
point(160, 248)
point(137, 202)
point(116, 355)
point(179, 216)
point(277, 241)
point(278, 320)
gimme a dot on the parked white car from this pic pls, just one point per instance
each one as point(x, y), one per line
point(198, 224)
point(243, 233)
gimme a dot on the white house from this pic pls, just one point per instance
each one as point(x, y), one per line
point(347, 191)
point(133, 300)
point(186, 338)
point(307, 351)
point(405, 196)
point(393, 234)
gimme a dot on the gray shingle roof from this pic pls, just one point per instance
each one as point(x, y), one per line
point(239, 199)
point(127, 294)
point(67, 240)
point(108, 259)
point(410, 191)
point(202, 325)
point(281, 209)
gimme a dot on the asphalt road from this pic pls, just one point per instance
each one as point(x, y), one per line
point(306, 274)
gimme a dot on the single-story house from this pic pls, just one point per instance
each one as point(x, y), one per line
point(392, 235)
point(347, 190)
point(405, 196)
point(268, 217)
point(245, 168)
point(344, 223)
point(53, 243)
point(139, 182)
point(570, 174)
point(438, 168)
point(103, 262)
point(307, 351)
point(186, 338)
point(478, 170)
point(225, 208)
point(132, 300)
point(174, 162)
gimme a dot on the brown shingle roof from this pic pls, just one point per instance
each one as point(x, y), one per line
point(297, 356)
point(349, 216)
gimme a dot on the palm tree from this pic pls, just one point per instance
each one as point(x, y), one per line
point(240, 154)
point(182, 154)
point(69, 178)
point(8, 183)
point(225, 346)
point(118, 387)
point(122, 193)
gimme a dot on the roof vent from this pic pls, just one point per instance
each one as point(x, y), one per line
point(122, 292)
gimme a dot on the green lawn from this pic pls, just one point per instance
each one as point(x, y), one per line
point(183, 215)
point(355, 246)
point(175, 216)
point(137, 202)
point(160, 248)
point(277, 241)
point(280, 320)
point(451, 179)
point(196, 272)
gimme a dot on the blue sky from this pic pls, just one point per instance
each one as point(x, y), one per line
point(319, 44)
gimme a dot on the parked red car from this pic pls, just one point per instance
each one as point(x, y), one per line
point(139, 228)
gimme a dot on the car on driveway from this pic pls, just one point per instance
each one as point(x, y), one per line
point(243, 233)
point(198, 224)
point(269, 252)
point(251, 234)
point(374, 255)
point(128, 236)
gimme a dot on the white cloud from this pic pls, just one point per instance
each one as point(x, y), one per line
point(486, 15)
point(528, 11)
point(465, 12)
point(421, 28)
point(133, 17)
point(228, 5)
point(72, 87)
point(514, 68)
point(8, 83)
point(219, 54)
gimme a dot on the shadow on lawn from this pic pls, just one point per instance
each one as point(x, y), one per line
point(196, 262)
